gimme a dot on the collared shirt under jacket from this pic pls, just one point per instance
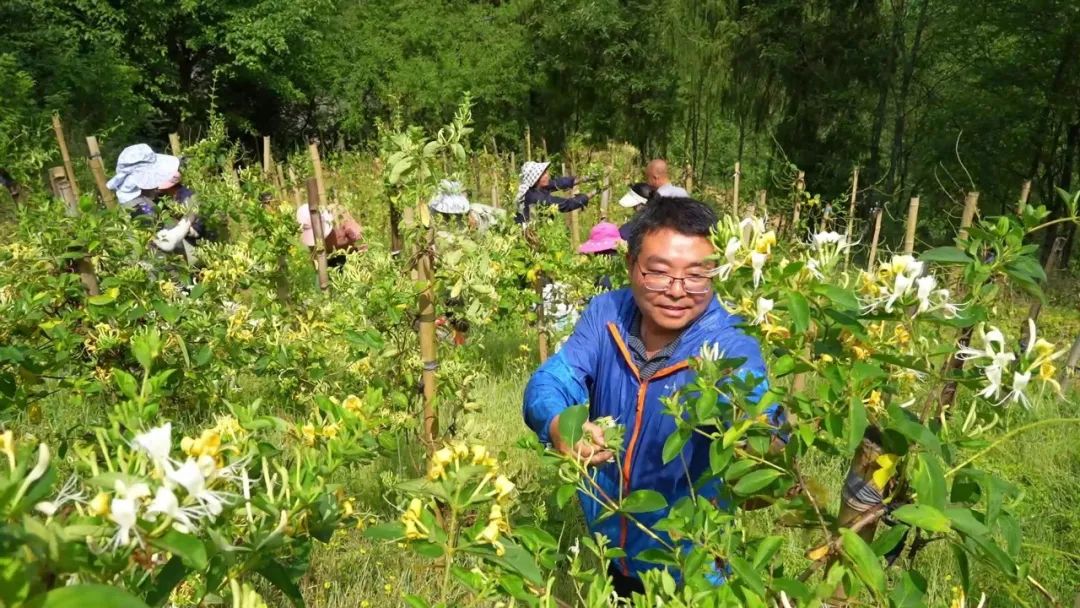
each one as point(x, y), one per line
point(595, 366)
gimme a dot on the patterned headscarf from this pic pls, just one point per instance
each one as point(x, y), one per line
point(530, 174)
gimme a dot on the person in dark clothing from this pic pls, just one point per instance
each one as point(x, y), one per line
point(9, 184)
point(536, 188)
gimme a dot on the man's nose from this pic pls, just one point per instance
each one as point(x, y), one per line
point(676, 289)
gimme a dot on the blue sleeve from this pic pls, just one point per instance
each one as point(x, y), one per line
point(564, 380)
point(561, 183)
point(538, 196)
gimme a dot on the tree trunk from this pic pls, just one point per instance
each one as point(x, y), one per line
point(897, 155)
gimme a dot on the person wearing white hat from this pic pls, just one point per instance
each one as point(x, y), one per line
point(635, 198)
point(142, 178)
point(536, 188)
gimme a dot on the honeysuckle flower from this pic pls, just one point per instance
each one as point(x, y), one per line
point(191, 477)
point(69, 492)
point(353, 404)
point(993, 388)
point(757, 262)
point(156, 443)
point(814, 268)
point(764, 307)
point(166, 503)
point(99, 505)
point(35, 473)
point(886, 471)
point(924, 288)
point(503, 487)
point(490, 535)
point(1019, 385)
point(414, 529)
point(307, 432)
point(124, 513)
point(710, 352)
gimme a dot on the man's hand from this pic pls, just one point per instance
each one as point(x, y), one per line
point(591, 448)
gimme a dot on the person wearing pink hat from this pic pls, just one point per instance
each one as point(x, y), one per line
point(604, 240)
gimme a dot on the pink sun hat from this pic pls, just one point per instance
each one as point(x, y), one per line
point(603, 237)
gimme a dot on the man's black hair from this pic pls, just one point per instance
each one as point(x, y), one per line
point(683, 215)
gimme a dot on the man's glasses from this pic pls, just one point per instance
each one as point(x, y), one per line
point(659, 281)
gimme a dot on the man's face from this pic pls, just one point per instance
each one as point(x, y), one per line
point(666, 251)
point(544, 180)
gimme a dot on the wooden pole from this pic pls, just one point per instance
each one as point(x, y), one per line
point(851, 215)
point(735, 192)
point(58, 129)
point(316, 162)
point(1025, 192)
point(575, 220)
point(98, 171)
point(912, 219)
point(319, 251)
point(874, 241)
point(1051, 263)
point(800, 186)
point(495, 184)
point(294, 188)
point(763, 209)
point(82, 264)
point(971, 205)
point(174, 143)
point(689, 171)
point(528, 144)
point(62, 189)
point(428, 348)
point(605, 196)
point(543, 148)
point(279, 179)
point(1074, 358)
point(268, 159)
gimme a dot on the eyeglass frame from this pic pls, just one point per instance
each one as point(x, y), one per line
point(671, 281)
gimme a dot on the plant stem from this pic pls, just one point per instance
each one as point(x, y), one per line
point(451, 537)
point(1008, 436)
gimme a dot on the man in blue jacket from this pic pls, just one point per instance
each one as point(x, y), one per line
point(631, 348)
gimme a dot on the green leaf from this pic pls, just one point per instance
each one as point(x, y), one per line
point(923, 516)
point(388, 531)
point(756, 481)
point(862, 560)
point(747, 575)
point(571, 421)
point(674, 444)
point(278, 576)
point(945, 255)
point(909, 592)
point(800, 311)
point(643, 501)
point(887, 540)
point(166, 580)
point(929, 481)
point(905, 423)
point(844, 299)
point(126, 383)
point(767, 548)
point(564, 494)
point(187, 547)
point(84, 596)
point(106, 298)
point(856, 424)
point(719, 457)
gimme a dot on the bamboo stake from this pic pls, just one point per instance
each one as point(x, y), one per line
point(495, 188)
point(62, 189)
point(319, 251)
point(543, 147)
point(528, 144)
point(174, 143)
point(1051, 264)
point(58, 129)
point(279, 179)
point(1025, 192)
point(82, 264)
point(541, 323)
point(971, 204)
point(735, 192)
point(689, 172)
point(575, 221)
point(98, 171)
point(316, 162)
point(851, 215)
point(268, 159)
point(428, 347)
point(874, 241)
point(912, 219)
point(294, 188)
point(605, 196)
point(1074, 358)
point(763, 209)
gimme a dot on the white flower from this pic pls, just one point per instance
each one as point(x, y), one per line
point(812, 265)
point(993, 377)
point(901, 286)
point(35, 473)
point(1019, 385)
point(133, 492)
point(764, 307)
point(924, 288)
point(124, 513)
point(69, 492)
point(190, 476)
point(710, 352)
point(157, 443)
point(166, 503)
point(757, 262)
point(828, 238)
point(731, 249)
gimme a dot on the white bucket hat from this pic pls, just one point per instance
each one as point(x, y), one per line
point(632, 199)
point(530, 174)
point(450, 198)
point(139, 168)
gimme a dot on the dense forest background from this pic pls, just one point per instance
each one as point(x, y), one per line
point(928, 97)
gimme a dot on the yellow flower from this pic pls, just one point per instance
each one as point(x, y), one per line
point(228, 426)
point(826, 358)
point(860, 352)
point(460, 450)
point(353, 404)
point(764, 242)
point(308, 433)
point(874, 401)
point(7, 446)
point(1043, 348)
point(775, 331)
point(490, 535)
point(99, 506)
point(480, 456)
point(887, 470)
point(436, 472)
point(331, 430)
point(442, 457)
point(414, 529)
point(503, 487)
point(901, 334)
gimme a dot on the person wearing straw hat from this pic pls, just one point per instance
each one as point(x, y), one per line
point(536, 188)
point(142, 179)
point(635, 198)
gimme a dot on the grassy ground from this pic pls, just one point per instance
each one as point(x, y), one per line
point(1044, 463)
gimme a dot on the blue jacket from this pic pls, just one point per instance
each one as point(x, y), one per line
point(594, 367)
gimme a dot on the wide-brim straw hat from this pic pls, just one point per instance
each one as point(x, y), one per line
point(139, 168)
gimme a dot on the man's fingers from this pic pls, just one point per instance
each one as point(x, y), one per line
point(600, 457)
point(596, 433)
